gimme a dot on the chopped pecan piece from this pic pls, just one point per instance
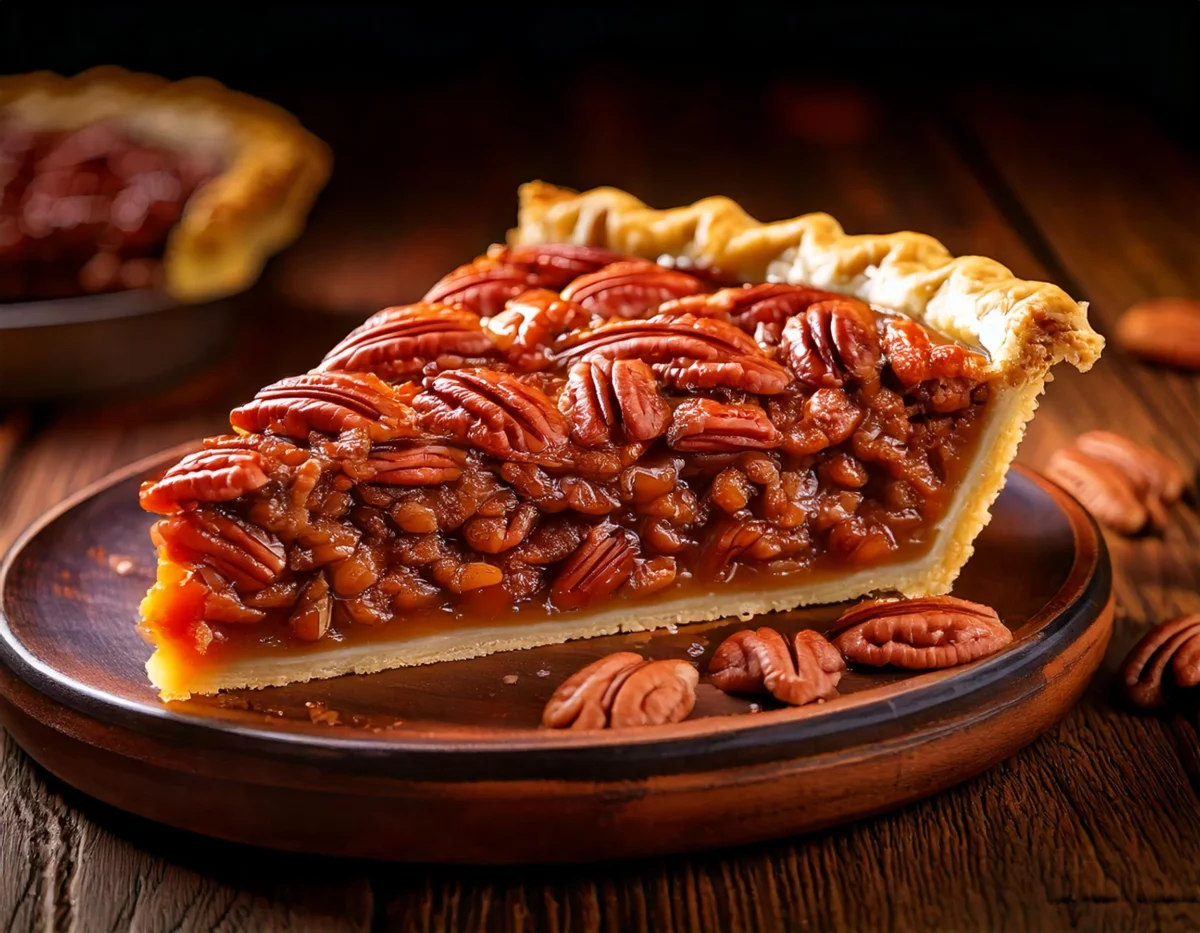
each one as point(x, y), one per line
point(760, 662)
point(215, 474)
point(529, 325)
point(401, 342)
point(706, 424)
point(482, 286)
point(495, 412)
point(613, 402)
point(832, 343)
point(630, 288)
point(1168, 656)
point(687, 352)
point(493, 534)
point(247, 556)
point(623, 689)
point(944, 374)
point(1102, 489)
point(920, 634)
point(328, 403)
point(601, 564)
point(419, 465)
point(310, 617)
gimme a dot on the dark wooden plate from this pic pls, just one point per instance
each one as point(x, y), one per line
point(446, 762)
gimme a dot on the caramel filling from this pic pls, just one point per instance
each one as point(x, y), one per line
point(552, 430)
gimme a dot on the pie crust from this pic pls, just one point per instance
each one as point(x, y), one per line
point(273, 167)
point(1023, 327)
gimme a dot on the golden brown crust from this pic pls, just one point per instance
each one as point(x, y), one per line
point(1025, 327)
point(273, 167)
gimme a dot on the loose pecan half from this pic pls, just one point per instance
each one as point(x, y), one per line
point(482, 286)
point(496, 412)
point(1154, 476)
point(1167, 657)
point(419, 465)
point(613, 402)
point(215, 474)
point(706, 424)
point(687, 352)
point(401, 342)
point(328, 403)
point(1102, 489)
point(630, 288)
point(1164, 331)
point(601, 564)
point(760, 662)
point(247, 556)
point(530, 323)
point(832, 343)
point(920, 634)
point(622, 690)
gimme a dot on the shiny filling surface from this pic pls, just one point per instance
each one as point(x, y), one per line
point(553, 429)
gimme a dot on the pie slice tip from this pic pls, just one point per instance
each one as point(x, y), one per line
point(622, 420)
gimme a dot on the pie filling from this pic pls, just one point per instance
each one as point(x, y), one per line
point(556, 431)
point(88, 211)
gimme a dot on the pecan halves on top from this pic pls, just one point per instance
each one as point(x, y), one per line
point(760, 662)
point(920, 634)
point(418, 465)
point(211, 475)
point(529, 325)
point(687, 352)
point(623, 689)
point(600, 565)
point(630, 289)
point(769, 304)
point(495, 412)
point(832, 343)
point(1103, 489)
point(612, 402)
point(400, 342)
point(556, 264)
point(1168, 656)
point(328, 403)
point(704, 424)
point(482, 286)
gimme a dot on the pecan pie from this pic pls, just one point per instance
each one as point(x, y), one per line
point(589, 430)
point(113, 180)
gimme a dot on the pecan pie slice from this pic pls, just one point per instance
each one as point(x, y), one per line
point(589, 431)
point(112, 180)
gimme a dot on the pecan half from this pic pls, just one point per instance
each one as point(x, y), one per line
point(613, 402)
point(328, 403)
point(247, 556)
point(419, 465)
point(623, 689)
point(1101, 488)
point(687, 352)
point(401, 342)
point(309, 619)
point(530, 323)
point(1168, 656)
point(1164, 331)
point(482, 286)
point(920, 634)
point(1153, 474)
point(760, 662)
point(556, 264)
point(215, 474)
point(706, 424)
point(496, 412)
point(601, 564)
point(630, 288)
point(832, 343)
point(750, 306)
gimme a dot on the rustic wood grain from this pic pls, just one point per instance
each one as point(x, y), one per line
point(1096, 826)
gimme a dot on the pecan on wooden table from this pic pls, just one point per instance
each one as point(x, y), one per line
point(1165, 660)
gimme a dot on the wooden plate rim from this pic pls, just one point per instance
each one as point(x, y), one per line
point(85, 309)
point(468, 752)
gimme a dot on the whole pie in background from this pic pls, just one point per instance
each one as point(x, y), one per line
point(623, 419)
point(114, 180)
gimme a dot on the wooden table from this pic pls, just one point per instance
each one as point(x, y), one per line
point(1095, 826)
